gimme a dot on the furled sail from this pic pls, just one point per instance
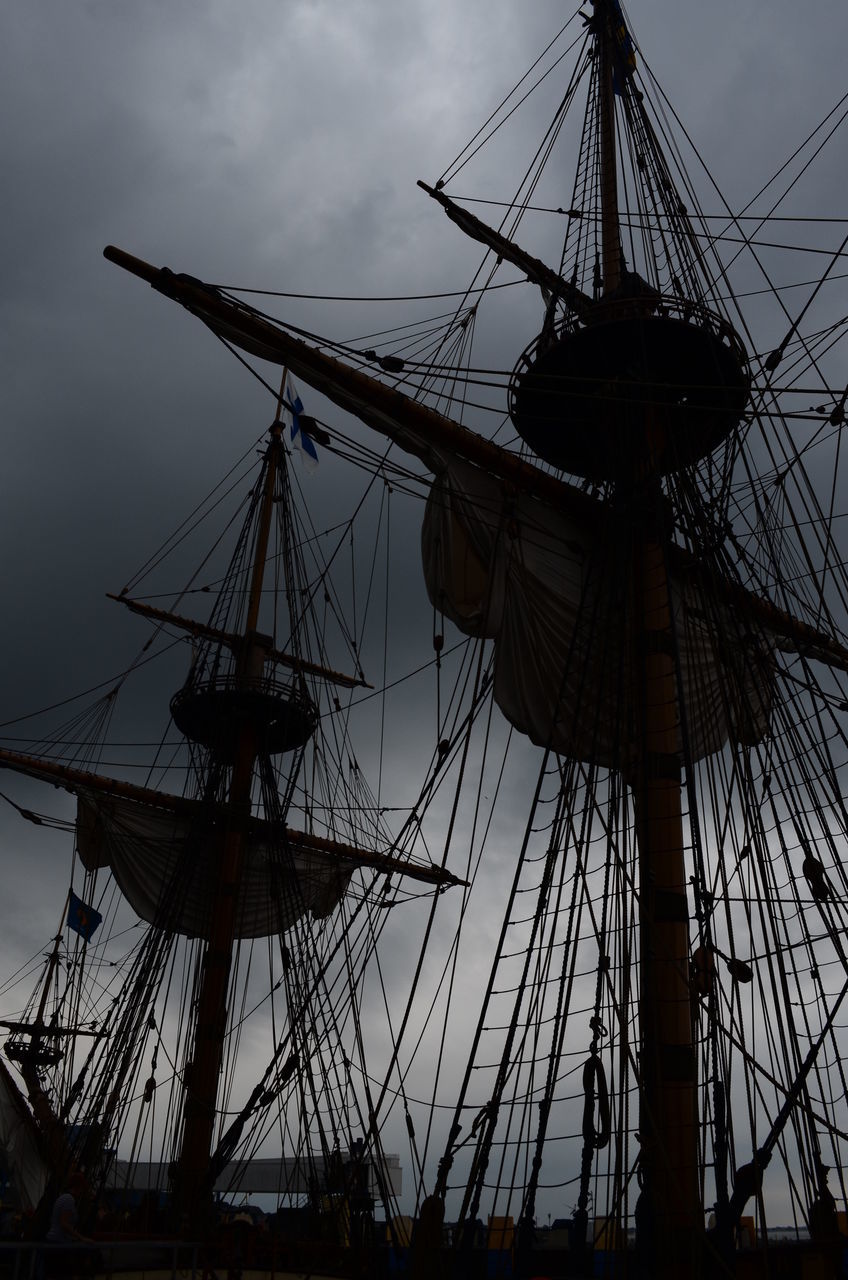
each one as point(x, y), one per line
point(162, 863)
point(160, 848)
point(543, 588)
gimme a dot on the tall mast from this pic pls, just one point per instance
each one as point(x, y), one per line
point(200, 1083)
point(610, 228)
point(33, 1055)
point(669, 1215)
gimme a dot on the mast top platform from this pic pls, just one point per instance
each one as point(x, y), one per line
point(579, 396)
point(281, 717)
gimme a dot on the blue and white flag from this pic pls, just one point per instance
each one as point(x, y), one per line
point(300, 438)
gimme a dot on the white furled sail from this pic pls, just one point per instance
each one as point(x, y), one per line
point(163, 864)
point(528, 576)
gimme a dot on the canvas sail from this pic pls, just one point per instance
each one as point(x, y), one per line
point(20, 1144)
point(530, 578)
point(163, 862)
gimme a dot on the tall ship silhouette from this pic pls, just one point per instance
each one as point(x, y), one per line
point(585, 980)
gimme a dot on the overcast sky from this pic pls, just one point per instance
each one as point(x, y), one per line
point(273, 145)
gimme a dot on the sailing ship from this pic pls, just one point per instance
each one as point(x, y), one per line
point(636, 691)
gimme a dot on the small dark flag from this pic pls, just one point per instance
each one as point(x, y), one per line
point(82, 918)
point(624, 55)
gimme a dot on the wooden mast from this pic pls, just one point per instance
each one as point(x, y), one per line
point(200, 1082)
point(610, 229)
point(669, 1218)
point(31, 1064)
point(669, 1215)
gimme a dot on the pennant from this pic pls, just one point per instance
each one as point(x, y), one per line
point(82, 918)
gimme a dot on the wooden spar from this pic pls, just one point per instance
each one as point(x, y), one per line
point(234, 642)
point(393, 414)
point(78, 780)
point(378, 406)
point(536, 270)
point(38, 1028)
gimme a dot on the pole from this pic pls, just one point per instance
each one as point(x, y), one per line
point(200, 1084)
point(610, 228)
point(669, 1215)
